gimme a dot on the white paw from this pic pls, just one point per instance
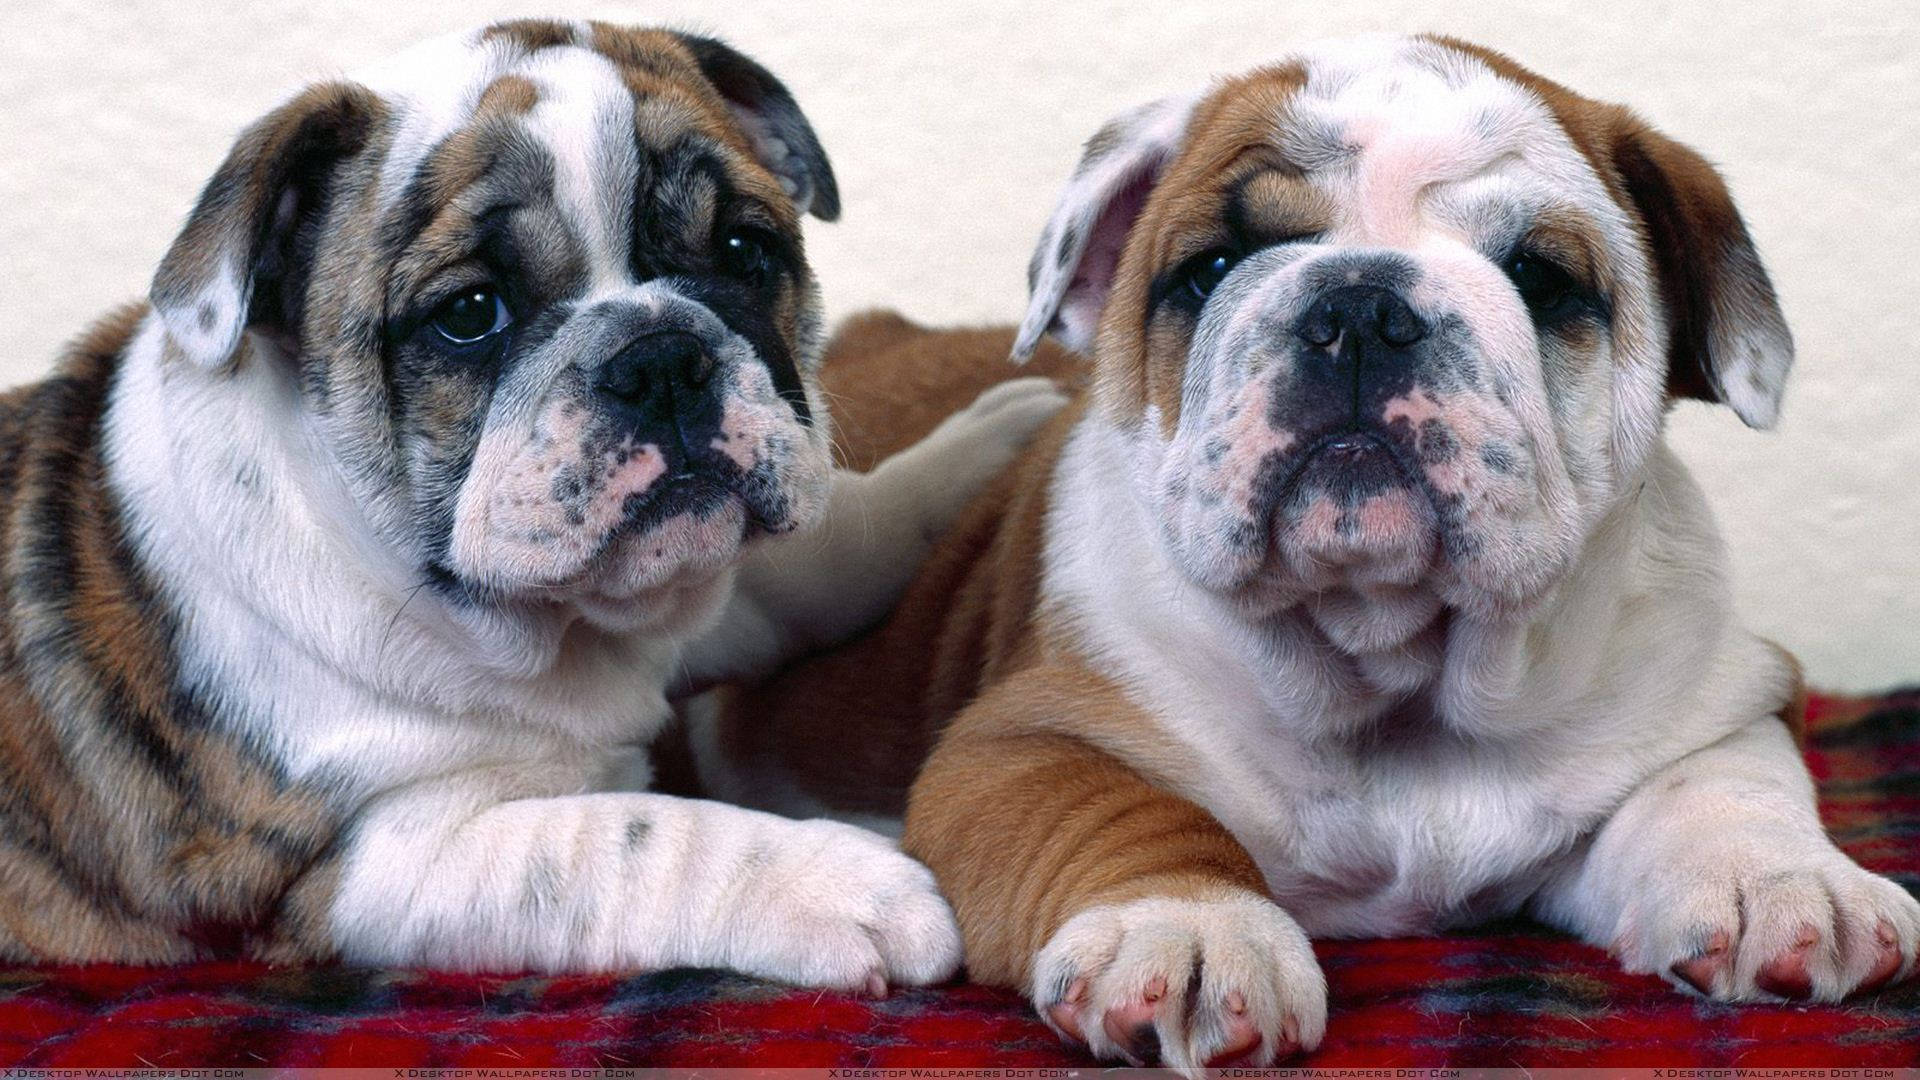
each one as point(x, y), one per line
point(1183, 982)
point(836, 906)
point(1769, 916)
point(970, 447)
point(1032, 393)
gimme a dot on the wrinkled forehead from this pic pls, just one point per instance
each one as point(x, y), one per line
point(584, 92)
point(565, 150)
point(1399, 132)
point(438, 86)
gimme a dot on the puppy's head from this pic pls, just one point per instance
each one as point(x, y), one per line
point(541, 289)
point(1398, 313)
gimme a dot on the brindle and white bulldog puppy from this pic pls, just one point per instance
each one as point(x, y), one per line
point(1361, 596)
point(341, 580)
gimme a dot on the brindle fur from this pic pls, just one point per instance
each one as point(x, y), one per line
point(135, 830)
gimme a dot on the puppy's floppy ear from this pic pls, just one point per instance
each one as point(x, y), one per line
point(236, 263)
point(782, 139)
point(1073, 267)
point(1729, 341)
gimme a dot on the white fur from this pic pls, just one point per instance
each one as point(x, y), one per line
point(224, 297)
point(431, 89)
point(1738, 820)
point(591, 160)
point(1754, 357)
point(508, 867)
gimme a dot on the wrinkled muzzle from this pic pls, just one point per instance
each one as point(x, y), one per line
point(644, 441)
point(1360, 419)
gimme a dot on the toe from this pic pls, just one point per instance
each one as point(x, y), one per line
point(1245, 1055)
point(1066, 1013)
point(1289, 1039)
point(1243, 1038)
point(1787, 975)
point(1703, 971)
point(1886, 961)
point(1130, 1026)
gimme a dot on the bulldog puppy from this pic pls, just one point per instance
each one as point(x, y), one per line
point(342, 578)
point(1361, 595)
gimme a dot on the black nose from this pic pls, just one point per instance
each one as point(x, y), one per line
point(1378, 314)
point(652, 368)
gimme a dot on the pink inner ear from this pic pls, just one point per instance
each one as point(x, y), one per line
point(1093, 274)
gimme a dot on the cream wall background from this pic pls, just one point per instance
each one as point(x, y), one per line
point(951, 125)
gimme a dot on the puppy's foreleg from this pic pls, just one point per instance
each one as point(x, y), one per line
point(487, 871)
point(1715, 874)
point(1133, 919)
point(817, 588)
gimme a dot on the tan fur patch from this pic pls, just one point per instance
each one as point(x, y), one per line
point(1231, 137)
point(532, 34)
point(1035, 806)
point(510, 95)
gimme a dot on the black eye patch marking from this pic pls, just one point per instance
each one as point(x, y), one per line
point(466, 329)
point(691, 220)
point(688, 213)
point(518, 252)
point(676, 194)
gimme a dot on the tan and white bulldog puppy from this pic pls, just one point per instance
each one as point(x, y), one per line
point(342, 581)
point(1361, 596)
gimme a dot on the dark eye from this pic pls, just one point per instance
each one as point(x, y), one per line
point(1203, 273)
point(746, 254)
point(471, 316)
point(1542, 284)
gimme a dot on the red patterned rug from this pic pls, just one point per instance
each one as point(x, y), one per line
point(1510, 995)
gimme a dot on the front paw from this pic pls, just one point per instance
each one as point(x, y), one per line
point(1006, 414)
point(831, 905)
point(970, 447)
point(1769, 918)
point(1190, 983)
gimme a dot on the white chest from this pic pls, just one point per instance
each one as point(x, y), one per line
point(1389, 840)
point(361, 736)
